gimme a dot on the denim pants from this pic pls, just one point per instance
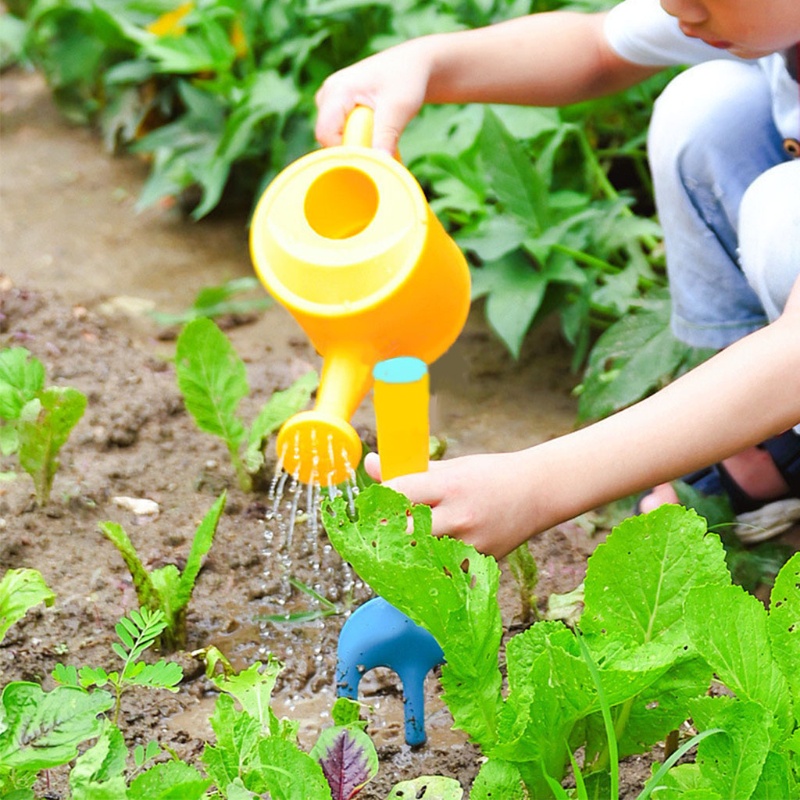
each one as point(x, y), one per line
point(728, 198)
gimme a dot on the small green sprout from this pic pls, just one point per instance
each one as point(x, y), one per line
point(167, 589)
point(137, 633)
point(35, 421)
point(213, 381)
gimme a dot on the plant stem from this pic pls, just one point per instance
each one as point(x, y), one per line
point(611, 753)
point(243, 477)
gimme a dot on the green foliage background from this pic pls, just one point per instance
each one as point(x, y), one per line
point(553, 207)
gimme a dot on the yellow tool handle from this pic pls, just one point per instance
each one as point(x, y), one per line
point(401, 399)
point(358, 127)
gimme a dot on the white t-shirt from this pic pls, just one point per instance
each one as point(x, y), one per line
point(642, 32)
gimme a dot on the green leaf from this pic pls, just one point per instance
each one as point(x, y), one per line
point(497, 236)
point(442, 584)
point(731, 762)
point(21, 379)
point(212, 379)
point(253, 689)
point(236, 790)
point(172, 780)
point(44, 426)
point(631, 358)
point(550, 690)
point(519, 188)
point(428, 787)
point(43, 729)
point(237, 736)
point(728, 627)
point(146, 591)
point(784, 625)
point(777, 778)
point(637, 581)
point(214, 301)
point(201, 544)
point(290, 774)
point(12, 39)
point(99, 773)
point(515, 291)
point(21, 590)
point(498, 779)
point(275, 412)
point(347, 712)
point(161, 675)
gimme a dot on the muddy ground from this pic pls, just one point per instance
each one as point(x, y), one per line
point(80, 269)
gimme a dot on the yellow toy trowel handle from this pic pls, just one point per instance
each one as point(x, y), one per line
point(401, 397)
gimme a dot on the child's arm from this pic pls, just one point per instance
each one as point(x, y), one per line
point(547, 59)
point(741, 396)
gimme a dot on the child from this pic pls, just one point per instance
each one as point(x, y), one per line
point(722, 148)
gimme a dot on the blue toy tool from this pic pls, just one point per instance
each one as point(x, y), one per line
point(377, 634)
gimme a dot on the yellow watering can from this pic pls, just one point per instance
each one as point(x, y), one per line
point(345, 240)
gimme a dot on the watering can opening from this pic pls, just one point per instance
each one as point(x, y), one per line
point(341, 203)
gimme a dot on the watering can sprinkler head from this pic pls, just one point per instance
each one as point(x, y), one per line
point(345, 240)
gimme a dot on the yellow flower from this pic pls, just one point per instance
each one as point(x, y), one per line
point(169, 24)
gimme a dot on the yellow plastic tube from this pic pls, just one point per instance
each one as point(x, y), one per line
point(401, 397)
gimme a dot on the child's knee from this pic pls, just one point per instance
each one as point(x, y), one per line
point(769, 235)
point(703, 115)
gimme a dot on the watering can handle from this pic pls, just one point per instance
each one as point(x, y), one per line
point(358, 127)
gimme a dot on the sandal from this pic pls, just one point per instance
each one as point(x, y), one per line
point(757, 519)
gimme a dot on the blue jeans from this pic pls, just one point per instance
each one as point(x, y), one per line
point(728, 198)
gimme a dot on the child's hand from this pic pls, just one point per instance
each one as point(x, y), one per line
point(391, 83)
point(480, 499)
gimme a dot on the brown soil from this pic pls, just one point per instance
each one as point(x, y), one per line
point(79, 267)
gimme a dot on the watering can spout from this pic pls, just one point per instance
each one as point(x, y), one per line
point(345, 240)
point(320, 446)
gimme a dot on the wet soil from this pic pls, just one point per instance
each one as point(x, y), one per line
point(80, 267)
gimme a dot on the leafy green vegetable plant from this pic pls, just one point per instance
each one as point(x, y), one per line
point(35, 420)
point(167, 590)
point(255, 753)
point(553, 206)
point(213, 381)
point(526, 574)
point(661, 617)
point(43, 730)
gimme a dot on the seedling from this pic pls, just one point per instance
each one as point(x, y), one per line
point(217, 301)
point(257, 754)
point(42, 730)
point(137, 633)
point(213, 381)
point(325, 608)
point(661, 618)
point(167, 589)
point(36, 420)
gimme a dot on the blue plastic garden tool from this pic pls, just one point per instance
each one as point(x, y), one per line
point(377, 634)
